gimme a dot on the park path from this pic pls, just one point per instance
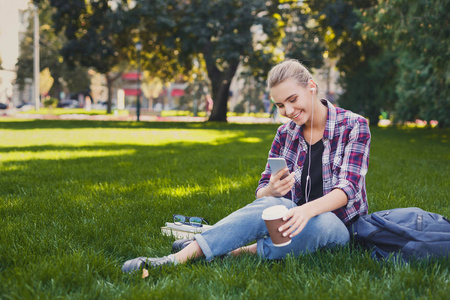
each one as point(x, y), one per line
point(231, 119)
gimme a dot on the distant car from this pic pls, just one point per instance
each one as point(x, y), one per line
point(68, 103)
point(25, 106)
point(3, 106)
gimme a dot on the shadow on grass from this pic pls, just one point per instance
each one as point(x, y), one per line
point(68, 124)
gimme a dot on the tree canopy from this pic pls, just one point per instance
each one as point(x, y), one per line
point(392, 56)
point(50, 57)
point(419, 34)
point(94, 35)
point(221, 33)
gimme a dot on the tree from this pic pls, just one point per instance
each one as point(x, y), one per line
point(303, 39)
point(95, 36)
point(45, 81)
point(370, 88)
point(337, 21)
point(219, 32)
point(418, 31)
point(49, 56)
point(392, 55)
point(365, 70)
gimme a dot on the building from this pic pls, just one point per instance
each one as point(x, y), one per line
point(13, 24)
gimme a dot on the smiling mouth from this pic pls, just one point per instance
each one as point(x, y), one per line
point(296, 116)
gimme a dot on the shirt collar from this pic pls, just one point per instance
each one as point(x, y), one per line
point(331, 120)
point(329, 127)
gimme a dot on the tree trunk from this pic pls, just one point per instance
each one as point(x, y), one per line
point(221, 82)
point(220, 92)
point(109, 82)
point(109, 87)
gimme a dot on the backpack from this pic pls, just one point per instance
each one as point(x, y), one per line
point(405, 233)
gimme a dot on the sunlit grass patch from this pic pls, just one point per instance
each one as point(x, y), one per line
point(95, 136)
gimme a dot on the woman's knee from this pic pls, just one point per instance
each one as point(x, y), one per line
point(331, 228)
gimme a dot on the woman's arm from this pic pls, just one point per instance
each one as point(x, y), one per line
point(300, 215)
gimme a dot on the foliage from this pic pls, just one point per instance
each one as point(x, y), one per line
point(195, 94)
point(220, 33)
point(50, 44)
point(96, 36)
point(303, 39)
point(337, 21)
point(253, 92)
point(418, 31)
point(365, 73)
point(151, 86)
point(50, 102)
point(78, 198)
point(89, 36)
point(369, 89)
point(45, 81)
point(392, 55)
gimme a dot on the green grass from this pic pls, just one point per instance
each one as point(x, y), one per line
point(78, 198)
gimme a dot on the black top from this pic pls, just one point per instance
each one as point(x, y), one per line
point(316, 180)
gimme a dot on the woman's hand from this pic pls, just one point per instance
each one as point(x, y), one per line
point(278, 187)
point(297, 218)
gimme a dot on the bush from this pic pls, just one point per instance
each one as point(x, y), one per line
point(50, 102)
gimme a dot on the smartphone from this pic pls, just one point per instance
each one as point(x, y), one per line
point(276, 164)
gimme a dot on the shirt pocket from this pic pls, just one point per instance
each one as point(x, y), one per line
point(336, 169)
point(327, 176)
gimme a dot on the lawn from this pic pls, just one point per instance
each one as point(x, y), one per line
point(78, 198)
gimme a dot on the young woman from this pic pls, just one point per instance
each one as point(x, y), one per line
point(327, 154)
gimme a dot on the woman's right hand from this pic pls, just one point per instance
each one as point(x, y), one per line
point(278, 187)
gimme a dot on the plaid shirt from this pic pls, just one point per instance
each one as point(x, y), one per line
point(345, 159)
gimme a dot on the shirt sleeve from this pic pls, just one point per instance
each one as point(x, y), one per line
point(351, 178)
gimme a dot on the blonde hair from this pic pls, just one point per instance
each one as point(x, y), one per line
point(290, 68)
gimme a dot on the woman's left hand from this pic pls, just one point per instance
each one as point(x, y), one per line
point(297, 218)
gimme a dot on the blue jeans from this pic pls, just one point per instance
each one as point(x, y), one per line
point(246, 225)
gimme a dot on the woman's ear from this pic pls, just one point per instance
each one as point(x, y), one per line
point(312, 86)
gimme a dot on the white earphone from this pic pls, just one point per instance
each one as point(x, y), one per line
point(308, 178)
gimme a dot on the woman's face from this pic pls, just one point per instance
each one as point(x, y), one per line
point(293, 101)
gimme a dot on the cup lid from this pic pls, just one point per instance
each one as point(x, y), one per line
point(274, 212)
